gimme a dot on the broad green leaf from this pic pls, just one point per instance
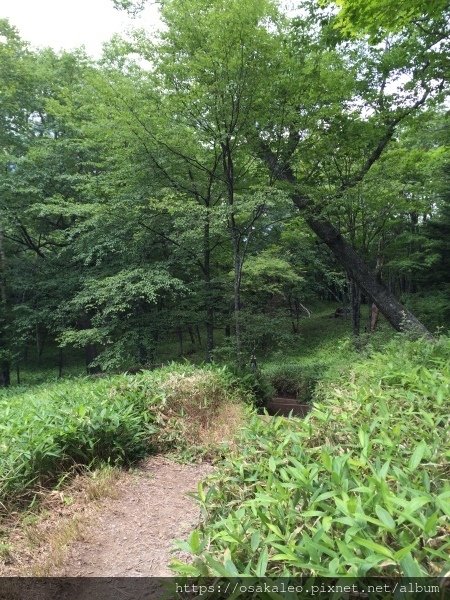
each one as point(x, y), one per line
point(254, 541)
point(229, 565)
point(417, 455)
point(411, 567)
point(385, 517)
point(261, 566)
point(371, 545)
point(194, 541)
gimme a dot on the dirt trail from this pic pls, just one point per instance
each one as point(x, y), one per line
point(133, 533)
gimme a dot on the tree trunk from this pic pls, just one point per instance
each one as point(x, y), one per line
point(40, 342)
point(60, 363)
point(191, 334)
point(397, 315)
point(374, 312)
point(356, 308)
point(199, 336)
point(228, 167)
point(90, 354)
point(209, 334)
point(208, 287)
point(90, 350)
point(5, 374)
point(180, 340)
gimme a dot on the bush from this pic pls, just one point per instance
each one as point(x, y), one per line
point(46, 431)
point(199, 409)
point(293, 379)
point(360, 487)
point(433, 308)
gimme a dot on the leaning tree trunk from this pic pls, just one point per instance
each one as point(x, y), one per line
point(398, 316)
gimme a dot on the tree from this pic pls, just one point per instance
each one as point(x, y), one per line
point(369, 16)
point(313, 84)
point(366, 114)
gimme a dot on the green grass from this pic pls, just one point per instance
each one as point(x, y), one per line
point(360, 487)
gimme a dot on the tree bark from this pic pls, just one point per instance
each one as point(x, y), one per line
point(228, 167)
point(208, 286)
point(396, 314)
point(199, 336)
point(60, 363)
point(191, 334)
point(180, 340)
point(374, 312)
point(90, 350)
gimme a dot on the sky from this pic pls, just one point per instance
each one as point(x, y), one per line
point(69, 24)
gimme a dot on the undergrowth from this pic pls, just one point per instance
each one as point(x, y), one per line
point(199, 410)
point(51, 430)
point(360, 487)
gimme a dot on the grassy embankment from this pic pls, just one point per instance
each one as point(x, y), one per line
point(48, 431)
point(359, 487)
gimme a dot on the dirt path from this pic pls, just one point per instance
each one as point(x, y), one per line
point(132, 534)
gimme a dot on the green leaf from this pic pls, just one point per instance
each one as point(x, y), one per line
point(275, 529)
point(184, 569)
point(194, 541)
point(400, 554)
point(216, 567)
point(327, 461)
point(272, 464)
point(261, 566)
point(417, 456)
point(371, 545)
point(385, 517)
point(254, 541)
point(229, 565)
point(411, 567)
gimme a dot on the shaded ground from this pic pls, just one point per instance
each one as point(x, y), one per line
point(132, 534)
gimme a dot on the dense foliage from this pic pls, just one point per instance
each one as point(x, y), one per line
point(49, 430)
point(167, 192)
point(359, 487)
point(255, 187)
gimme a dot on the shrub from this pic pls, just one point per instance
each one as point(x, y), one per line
point(199, 409)
point(433, 308)
point(46, 431)
point(293, 379)
point(360, 487)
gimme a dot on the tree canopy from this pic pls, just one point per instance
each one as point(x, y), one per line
point(242, 164)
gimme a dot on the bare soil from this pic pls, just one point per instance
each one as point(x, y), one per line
point(132, 535)
point(120, 525)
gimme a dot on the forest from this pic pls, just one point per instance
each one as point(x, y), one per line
point(252, 202)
